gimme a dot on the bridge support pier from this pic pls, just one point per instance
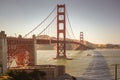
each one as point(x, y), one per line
point(3, 51)
point(35, 53)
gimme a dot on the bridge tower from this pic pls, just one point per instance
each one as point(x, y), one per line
point(61, 32)
point(81, 40)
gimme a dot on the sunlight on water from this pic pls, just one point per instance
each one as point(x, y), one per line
point(87, 65)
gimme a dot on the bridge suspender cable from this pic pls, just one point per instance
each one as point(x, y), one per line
point(40, 23)
point(70, 25)
point(47, 26)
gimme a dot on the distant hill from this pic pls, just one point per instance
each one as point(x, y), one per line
point(107, 46)
point(87, 45)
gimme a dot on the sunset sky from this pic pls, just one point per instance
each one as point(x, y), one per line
point(98, 19)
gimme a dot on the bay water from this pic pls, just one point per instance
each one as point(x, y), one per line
point(95, 64)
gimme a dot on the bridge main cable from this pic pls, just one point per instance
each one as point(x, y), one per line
point(47, 26)
point(40, 23)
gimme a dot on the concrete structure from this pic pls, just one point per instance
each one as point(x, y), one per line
point(3, 51)
point(65, 77)
point(52, 71)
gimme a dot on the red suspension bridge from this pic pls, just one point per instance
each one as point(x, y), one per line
point(23, 49)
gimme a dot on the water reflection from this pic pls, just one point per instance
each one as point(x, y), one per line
point(98, 69)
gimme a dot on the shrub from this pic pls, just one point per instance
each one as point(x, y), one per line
point(23, 75)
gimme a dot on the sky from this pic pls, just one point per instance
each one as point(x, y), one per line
point(98, 19)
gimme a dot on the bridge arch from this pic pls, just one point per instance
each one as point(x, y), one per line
point(21, 49)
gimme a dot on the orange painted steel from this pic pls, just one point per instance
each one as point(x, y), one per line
point(61, 32)
point(21, 50)
point(81, 40)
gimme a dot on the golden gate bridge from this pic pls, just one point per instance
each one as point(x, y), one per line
point(23, 49)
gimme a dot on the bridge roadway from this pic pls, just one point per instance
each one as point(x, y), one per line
point(48, 41)
point(38, 41)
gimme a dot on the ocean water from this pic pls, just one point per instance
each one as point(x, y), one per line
point(85, 65)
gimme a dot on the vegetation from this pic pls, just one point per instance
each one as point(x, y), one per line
point(24, 75)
